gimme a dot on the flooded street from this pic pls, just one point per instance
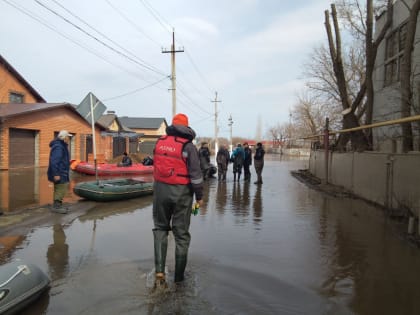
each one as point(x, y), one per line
point(277, 248)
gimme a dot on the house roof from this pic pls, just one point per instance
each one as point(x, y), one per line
point(106, 120)
point(142, 122)
point(10, 110)
point(20, 78)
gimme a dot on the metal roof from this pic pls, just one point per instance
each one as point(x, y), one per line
point(106, 120)
point(10, 110)
point(15, 109)
point(142, 122)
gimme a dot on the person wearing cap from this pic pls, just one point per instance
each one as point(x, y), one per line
point(177, 178)
point(59, 169)
point(247, 162)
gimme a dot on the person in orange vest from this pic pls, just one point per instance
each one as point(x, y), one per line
point(177, 178)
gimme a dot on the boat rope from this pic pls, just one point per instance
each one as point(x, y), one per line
point(20, 269)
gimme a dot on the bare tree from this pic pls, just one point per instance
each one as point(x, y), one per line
point(309, 114)
point(351, 105)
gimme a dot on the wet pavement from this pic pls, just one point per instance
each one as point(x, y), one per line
point(277, 248)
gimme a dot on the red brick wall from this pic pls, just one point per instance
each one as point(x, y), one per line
point(46, 123)
point(8, 83)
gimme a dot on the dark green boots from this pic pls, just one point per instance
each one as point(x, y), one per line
point(161, 246)
point(180, 264)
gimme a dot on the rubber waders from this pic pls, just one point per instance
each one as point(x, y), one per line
point(180, 264)
point(161, 246)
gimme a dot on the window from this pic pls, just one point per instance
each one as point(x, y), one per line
point(15, 97)
point(394, 54)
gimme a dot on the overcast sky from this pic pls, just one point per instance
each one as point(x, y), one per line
point(250, 51)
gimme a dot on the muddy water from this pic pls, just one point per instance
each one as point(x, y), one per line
point(279, 248)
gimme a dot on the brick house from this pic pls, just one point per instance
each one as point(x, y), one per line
point(27, 129)
point(28, 124)
point(124, 139)
point(14, 88)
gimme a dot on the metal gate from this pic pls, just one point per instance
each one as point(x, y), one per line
point(21, 148)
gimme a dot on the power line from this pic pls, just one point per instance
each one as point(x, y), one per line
point(97, 39)
point(132, 23)
point(199, 72)
point(101, 33)
point(157, 16)
point(192, 102)
point(135, 91)
point(33, 16)
point(204, 119)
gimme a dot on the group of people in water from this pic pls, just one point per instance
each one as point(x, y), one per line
point(241, 158)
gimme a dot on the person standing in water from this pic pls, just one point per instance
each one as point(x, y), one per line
point(177, 178)
point(59, 169)
point(259, 162)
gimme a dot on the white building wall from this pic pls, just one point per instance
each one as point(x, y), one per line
point(387, 102)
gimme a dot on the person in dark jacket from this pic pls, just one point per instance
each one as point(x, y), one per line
point(222, 159)
point(259, 162)
point(59, 169)
point(238, 156)
point(247, 162)
point(177, 178)
point(204, 154)
point(126, 160)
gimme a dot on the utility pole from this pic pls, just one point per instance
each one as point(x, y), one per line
point(216, 141)
point(173, 76)
point(230, 125)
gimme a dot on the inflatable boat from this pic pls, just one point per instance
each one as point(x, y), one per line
point(113, 189)
point(106, 169)
point(20, 284)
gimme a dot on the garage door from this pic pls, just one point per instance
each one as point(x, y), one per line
point(21, 148)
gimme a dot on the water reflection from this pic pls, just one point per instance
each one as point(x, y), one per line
point(58, 254)
point(257, 206)
point(313, 254)
point(8, 245)
point(29, 187)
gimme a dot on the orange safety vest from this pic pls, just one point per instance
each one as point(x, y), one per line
point(169, 166)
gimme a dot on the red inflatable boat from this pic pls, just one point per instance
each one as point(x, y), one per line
point(105, 169)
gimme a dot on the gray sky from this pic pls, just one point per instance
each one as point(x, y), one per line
point(250, 51)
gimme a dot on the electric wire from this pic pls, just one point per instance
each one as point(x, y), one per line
point(97, 39)
point(198, 71)
point(136, 90)
point(34, 16)
point(160, 18)
point(180, 89)
point(125, 17)
point(102, 34)
point(156, 15)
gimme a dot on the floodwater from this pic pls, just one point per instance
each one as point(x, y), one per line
point(278, 248)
